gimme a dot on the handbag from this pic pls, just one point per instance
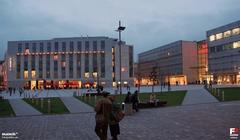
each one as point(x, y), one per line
point(119, 116)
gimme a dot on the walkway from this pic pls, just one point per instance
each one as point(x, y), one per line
point(193, 122)
point(21, 108)
point(76, 106)
point(198, 96)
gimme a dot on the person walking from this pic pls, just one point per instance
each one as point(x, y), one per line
point(20, 90)
point(135, 101)
point(114, 120)
point(128, 98)
point(103, 109)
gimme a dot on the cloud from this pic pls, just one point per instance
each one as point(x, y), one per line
point(149, 23)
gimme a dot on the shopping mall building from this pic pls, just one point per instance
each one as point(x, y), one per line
point(224, 53)
point(68, 63)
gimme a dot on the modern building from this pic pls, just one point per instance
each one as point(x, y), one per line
point(202, 67)
point(224, 53)
point(68, 63)
point(2, 75)
point(175, 63)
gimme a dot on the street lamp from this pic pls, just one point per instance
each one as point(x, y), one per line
point(119, 30)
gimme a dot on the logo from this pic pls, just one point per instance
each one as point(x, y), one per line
point(12, 135)
point(234, 133)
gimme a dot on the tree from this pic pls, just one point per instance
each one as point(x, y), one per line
point(153, 77)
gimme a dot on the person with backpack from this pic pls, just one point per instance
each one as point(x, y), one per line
point(103, 110)
point(115, 117)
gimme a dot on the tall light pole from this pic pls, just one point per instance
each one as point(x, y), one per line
point(119, 30)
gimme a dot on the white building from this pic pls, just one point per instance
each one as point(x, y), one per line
point(68, 62)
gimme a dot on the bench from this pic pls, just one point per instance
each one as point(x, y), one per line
point(152, 104)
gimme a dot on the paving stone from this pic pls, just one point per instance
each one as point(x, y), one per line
point(21, 108)
point(198, 96)
point(195, 122)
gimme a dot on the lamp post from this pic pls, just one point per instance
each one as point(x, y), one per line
point(119, 30)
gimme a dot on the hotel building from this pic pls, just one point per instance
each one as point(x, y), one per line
point(175, 63)
point(224, 53)
point(68, 63)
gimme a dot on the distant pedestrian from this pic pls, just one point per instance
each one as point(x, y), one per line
point(103, 109)
point(10, 91)
point(135, 101)
point(14, 90)
point(128, 98)
point(20, 90)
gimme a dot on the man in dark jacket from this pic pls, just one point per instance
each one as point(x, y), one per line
point(135, 101)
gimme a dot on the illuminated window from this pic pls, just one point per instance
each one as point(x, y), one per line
point(86, 74)
point(94, 74)
point(123, 69)
point(27, 51)
point(219, 36)
point(236, 31)
point(25, 74)
point(63, 64)
point(33, 74)
point(10, 64)
point(227, 33)
point(212, 38)
point(236, 44)
point(55, 57)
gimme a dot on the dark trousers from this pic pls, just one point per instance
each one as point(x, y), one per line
point(114, 130)
point(101, 130)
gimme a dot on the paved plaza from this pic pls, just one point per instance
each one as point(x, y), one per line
point(76, 106)
point(21, 108)
point(198, 96)
point(194, 122)
point(69, 92)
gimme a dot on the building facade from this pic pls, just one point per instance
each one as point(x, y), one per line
point(68, 63)
point(224, 53)
point(175, 63)
point(202, 55)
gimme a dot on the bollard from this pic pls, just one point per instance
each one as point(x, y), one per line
point(95, 97)
point(218, 92)
point(49, 106)
point(223, 95)
point(41, 103)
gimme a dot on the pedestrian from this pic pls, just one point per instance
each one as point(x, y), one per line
point(135, 101)
point(103, 109)
point(10, 91)
point(20, 90)
point(14, 89)
point(114, 118)
point(128, 98)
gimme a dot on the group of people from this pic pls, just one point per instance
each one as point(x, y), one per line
point(13, 90)
point(132, 99)
point(108, 113)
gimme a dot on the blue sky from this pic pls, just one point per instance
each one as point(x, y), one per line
point(149, 23)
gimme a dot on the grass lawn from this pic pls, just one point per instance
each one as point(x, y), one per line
point(173, 98)
point(230, 94)
point(57, 106)
point(5, 108)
